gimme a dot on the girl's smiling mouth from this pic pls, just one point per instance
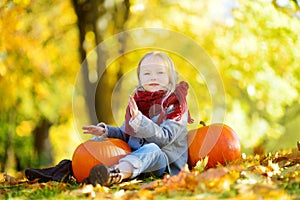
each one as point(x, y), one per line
point(153, 84)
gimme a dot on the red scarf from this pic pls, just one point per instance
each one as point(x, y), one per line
point(149, 103)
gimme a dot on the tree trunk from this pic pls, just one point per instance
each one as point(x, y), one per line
point(42, 143)
point(88, 13)
point(120, 15)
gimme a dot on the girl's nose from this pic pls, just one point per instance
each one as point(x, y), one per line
point(153, 77)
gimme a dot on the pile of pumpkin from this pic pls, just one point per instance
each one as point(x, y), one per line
point(217, 141)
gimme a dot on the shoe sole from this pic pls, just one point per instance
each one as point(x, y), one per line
point(99, 175)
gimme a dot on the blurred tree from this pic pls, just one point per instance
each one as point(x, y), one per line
point(38, 59)
point(97, 20)
point(258, 55)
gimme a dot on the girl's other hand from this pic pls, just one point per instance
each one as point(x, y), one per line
point(133, 107)
point(94, 130)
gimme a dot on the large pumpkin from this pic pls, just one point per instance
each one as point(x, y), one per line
point(217, 141)
point(92, 153)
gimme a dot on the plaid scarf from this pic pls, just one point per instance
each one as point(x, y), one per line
point(150, 105)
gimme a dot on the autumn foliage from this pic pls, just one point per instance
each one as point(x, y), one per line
point(273, 175)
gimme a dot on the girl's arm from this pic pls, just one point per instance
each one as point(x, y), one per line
point(98, 130)
point(116, 132)
point(162, 134)
point(103, 129)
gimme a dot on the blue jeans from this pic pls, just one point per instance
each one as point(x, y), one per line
point(149, 158)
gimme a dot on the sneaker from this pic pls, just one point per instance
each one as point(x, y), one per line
point(100, 174)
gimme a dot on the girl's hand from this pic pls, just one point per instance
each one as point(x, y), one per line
point(94, 130)
point(133, 107)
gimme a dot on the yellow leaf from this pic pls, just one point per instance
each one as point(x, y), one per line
point(201, 164)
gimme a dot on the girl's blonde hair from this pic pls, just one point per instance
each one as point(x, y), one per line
point(168, 63)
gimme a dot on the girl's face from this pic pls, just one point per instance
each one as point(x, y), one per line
point(153, 74)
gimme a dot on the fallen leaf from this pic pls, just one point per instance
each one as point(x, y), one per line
point(151, 185)
point(119, 194)
point(201, 164)
point(10, 179)
point(84, 190)
point(145, 194)
point(213, 173)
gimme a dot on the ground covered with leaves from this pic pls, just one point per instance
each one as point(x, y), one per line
point(267, 176)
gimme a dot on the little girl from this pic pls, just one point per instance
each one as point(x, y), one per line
point(155, 125)
point(155, 128)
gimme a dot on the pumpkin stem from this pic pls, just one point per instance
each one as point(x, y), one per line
point(202, 123)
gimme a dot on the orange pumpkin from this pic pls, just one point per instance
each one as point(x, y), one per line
point(217, 141)
point(92, 153)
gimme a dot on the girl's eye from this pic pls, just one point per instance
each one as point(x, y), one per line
point(161, 72)
point(146, 73)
